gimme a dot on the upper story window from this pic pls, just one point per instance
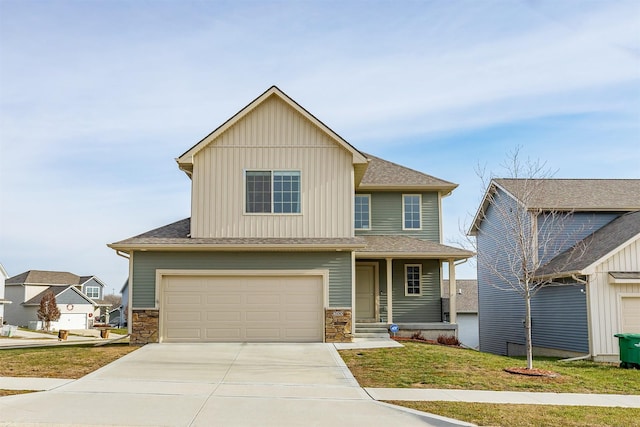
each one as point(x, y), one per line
point(92, 291)
point(362, 212)
point(272, 192)
point(412, 274)
point(411, 211)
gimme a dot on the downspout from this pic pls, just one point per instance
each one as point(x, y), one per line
point(589, 329)
point(124, 255)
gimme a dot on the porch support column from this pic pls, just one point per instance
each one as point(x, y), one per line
point(452, 292)
point(389, 290)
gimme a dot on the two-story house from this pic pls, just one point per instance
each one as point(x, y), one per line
point(588, 251)
point(79, 298)
point(293, 234)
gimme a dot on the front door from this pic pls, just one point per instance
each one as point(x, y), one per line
point(365, 292)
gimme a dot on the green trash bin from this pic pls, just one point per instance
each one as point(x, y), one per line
point(629, 350)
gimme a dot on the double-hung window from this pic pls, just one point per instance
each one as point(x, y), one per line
point(275, 192)
point(92, 291)
point(362, 212)
point(412, 273)
point(411, 211)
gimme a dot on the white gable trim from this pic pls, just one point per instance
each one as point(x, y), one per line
point(185, 161)
point(590, 269)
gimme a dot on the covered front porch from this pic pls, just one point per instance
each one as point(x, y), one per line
point(398, 280)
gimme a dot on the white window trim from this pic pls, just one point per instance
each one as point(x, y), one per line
point(244, 193)
point(406, 280)
point(368, 196)
point(419, 211)
point(86, 291)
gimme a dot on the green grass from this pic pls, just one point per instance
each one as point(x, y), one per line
point(485, 414)
point(59, 362)
point(432, 366)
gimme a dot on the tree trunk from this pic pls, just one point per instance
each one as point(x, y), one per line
point(527, 328)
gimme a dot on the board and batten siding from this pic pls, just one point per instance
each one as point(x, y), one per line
point(604, 299)
point(272, 137)
point(146, 264)
point(386, 215)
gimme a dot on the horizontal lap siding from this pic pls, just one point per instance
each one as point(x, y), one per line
point(273, 137)
point(386, 216)
point(559, 318)
point(559, 234)
point(145, 265)
point(423, 308)
point(500, 312)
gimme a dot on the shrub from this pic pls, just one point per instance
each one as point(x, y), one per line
point(448, 340)
point(418, 336)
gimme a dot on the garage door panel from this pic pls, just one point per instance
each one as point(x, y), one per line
point(223, 334)
point(263, 316)
point(184, 316)
point(179, 299)
point(244, 308)
point(630, 311)
point(183, 333)
point(223, 316)
point(223, 299)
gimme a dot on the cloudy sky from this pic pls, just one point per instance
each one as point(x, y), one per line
point(97, 99)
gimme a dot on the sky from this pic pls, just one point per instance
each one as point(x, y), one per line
point(98, 98)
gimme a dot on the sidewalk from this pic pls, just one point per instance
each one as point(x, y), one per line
point(508, 397)
point(24, 339)
point(414, 394)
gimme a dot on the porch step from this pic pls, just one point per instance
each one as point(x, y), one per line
point(371, 330)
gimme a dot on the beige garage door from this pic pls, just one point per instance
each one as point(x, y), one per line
point(242, 308)
point(630, 310)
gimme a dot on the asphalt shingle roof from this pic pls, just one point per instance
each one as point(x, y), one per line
point(410, 245)
point(177, 233)
point(467, 299)
point(383, 173)
point(35, 277)
point(594, 247)
point(576, 194)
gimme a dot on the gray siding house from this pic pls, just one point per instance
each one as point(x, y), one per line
point(294, 234)
point(77, 297)
point(591, 256)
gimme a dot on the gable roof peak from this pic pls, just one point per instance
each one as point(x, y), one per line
point(185, 161)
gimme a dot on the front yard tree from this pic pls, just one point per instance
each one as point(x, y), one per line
point(48, 311)
point(520, 235)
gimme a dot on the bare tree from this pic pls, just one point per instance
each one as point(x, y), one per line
point(114, 300)
point(524, 234)
point(48, 311)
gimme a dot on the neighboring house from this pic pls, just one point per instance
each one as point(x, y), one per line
point(79, 298)
point(467, 308)
point(594, 264)
point(118, 316)
point(293, 234)
point(3, 301)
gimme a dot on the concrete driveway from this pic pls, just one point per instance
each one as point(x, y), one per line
point(215, 385)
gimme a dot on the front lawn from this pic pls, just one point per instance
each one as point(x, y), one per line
point(69, 362)
point(488, 414)
point(421, 365)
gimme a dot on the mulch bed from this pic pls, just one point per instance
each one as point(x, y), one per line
point(533, 372)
